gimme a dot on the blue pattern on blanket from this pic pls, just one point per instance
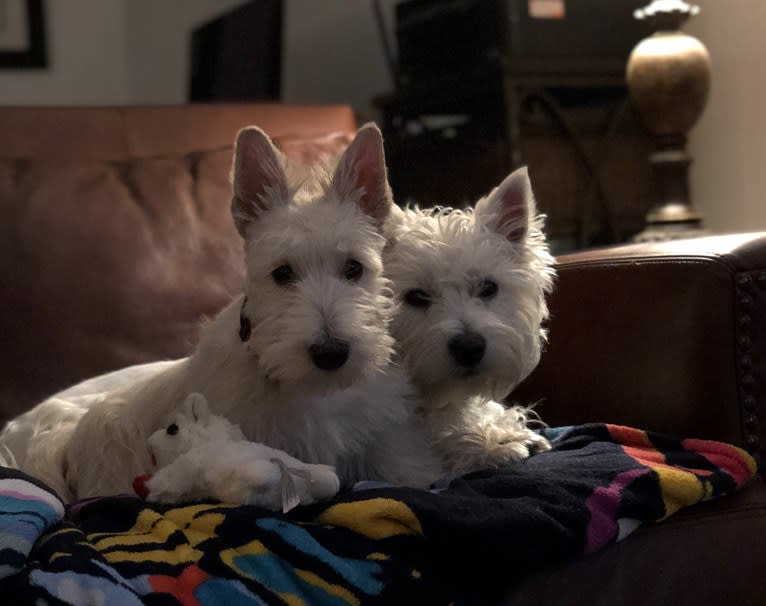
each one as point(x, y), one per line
point(27, 509)
point(362, 574)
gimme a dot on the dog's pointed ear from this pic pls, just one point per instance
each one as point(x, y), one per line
point(509, 208)
point(196, 407)
point(361, 174)
point(257, 175)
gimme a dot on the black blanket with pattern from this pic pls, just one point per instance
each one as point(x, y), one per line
point(374, 545)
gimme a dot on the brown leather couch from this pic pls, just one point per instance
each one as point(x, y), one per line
point(117, 240)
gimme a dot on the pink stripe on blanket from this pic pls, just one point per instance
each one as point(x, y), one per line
point(604, 506)
point(17, 488)
point(22, 496)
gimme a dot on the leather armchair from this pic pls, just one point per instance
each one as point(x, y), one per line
point(669, 337)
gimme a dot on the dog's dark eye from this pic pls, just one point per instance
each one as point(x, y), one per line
point(283, 275)
point(172, 429)
point(487, 289)
point(353, 270)
point(417, 298)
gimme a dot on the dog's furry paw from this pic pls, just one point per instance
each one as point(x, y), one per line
point(497, 441)
point(514, 448)
point(536, 443)
point(480, 451)
point(517, 447)
point(511, 431)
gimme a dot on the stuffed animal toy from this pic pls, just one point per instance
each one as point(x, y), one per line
point(202, 455)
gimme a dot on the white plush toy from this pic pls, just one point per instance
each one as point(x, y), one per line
point(203, 455)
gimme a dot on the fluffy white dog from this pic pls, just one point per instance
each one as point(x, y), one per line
point(471, 286)
point(300, 361)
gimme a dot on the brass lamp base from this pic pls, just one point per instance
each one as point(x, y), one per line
point(674, 218)
point(668, 77)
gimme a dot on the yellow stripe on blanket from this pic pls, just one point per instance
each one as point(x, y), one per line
point(253, 548)
point(680, 489)
point(182, 554)
point(291, 599)
point(331, 588)
point(152, 529)
point(191, 516)
point(198, 522)
point(377, 518)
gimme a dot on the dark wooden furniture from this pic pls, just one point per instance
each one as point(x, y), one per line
point(453, 135)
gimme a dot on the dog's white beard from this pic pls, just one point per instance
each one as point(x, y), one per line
point(510, 356)
point(281, 339)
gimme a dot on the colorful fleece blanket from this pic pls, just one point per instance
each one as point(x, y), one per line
point(457, 543)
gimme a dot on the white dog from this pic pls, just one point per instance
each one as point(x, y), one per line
point(300, 361)
point(471, 289)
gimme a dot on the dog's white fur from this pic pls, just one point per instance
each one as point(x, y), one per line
point(206, 456)
point(449, 255)
point(356, 417)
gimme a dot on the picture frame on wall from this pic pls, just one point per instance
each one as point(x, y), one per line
point(22, 34)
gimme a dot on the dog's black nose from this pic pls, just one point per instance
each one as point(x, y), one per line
point(467, 349)
point(329, 355)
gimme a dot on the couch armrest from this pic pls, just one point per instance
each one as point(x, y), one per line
point(666, 336)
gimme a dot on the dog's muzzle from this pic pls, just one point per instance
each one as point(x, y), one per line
point(330, 354)
point(467, 349)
